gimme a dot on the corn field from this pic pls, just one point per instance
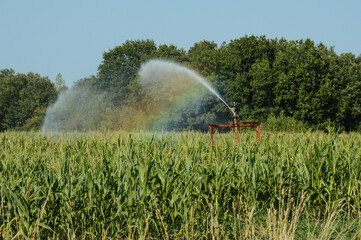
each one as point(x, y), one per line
point(176, 186)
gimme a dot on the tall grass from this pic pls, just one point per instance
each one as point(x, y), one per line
point(176, 186)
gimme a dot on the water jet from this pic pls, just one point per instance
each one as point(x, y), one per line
point(158, 73)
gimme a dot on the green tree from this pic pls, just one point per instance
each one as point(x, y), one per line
point(262, 84)
point(117, 73)
point(238, 58)
point(60, 83)
point(23, 100)
point(171, 52)
point(6, 72)
point(204, 57)
point(304, 88)
point(346, 73)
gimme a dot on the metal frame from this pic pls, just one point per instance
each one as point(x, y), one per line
point(254, 125)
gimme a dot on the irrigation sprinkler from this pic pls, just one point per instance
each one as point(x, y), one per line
point(235, 125)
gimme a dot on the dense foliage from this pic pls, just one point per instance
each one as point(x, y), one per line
point(262, 78)
point(259, 76)
point(176, 186)
point(24, 99)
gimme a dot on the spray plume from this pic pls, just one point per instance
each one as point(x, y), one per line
point(159, 70)
point(169, 92)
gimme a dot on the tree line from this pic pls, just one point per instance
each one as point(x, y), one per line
point(264, 79)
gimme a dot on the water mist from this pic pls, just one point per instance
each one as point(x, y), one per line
point(159, 70)
point(170, 98)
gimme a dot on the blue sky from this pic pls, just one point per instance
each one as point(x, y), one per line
point(69, 37)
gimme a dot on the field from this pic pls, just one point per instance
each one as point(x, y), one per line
point(176, 186)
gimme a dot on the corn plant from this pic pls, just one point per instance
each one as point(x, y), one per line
point(175, 185)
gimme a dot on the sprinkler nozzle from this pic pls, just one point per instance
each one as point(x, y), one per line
point(233, 110)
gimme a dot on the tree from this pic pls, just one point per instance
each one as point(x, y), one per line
point(60, 83)
point(346, 73)
point(262, 84)
point(23, 100)
point(6, 72)
point(204, 57)
point(304, 88)
point(171, 52)
point(238, 58)
point(117, 73)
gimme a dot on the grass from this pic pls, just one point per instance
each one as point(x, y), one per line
point(176, 186)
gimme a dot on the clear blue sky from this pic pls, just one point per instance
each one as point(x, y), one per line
point(69, 37)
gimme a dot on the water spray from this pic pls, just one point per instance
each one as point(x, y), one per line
point(161, 70)
point(167, 85)
point(157, 72)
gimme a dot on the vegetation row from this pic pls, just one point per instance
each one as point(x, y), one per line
point(146, 185)
point(305, 83)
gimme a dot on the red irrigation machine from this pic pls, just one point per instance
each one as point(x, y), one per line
point(235, 125)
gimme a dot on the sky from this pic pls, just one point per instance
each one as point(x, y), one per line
point(70, 36)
